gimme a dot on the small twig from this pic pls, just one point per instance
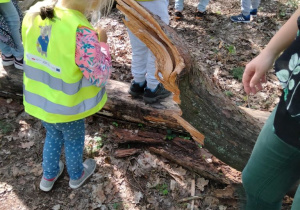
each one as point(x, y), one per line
point(133, 176)
point(191, 198)
point(132, 184)
point(248, 100)
point(128, 182)
point(193, 189)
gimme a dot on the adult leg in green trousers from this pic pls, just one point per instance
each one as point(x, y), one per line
point(273, 168)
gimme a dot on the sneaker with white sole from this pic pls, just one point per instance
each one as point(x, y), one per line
point(47, 184)
point(18, 63)
point(240, 18)
point(7, 60)
point(89, 166)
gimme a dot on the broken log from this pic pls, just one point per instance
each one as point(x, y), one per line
point(178, 150)
point(120, 105)
point(230, 133)
point(121, 153)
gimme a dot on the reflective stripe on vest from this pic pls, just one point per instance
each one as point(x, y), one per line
point(55, 83)
point(53, 108)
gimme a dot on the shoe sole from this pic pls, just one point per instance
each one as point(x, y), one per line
point(178, 18)
point(134, 94)
point(248, 21)
point(76, 186)
point(17, 66)
point(149, 100)
point(7, 63)
point(49, 188)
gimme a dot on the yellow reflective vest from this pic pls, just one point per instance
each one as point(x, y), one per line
point(4, 1)
point(55, 90)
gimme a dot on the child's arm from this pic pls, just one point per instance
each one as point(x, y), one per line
point(92, 56)
point(255, 71)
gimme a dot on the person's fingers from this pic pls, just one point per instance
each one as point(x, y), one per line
point(255, 79)
point(253, 90)
point(264, 79)
point(247, 88)
point(259, 87)
point(247, 76)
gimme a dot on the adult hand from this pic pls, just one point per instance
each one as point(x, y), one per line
point(255, 72)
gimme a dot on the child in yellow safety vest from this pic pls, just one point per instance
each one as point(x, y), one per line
point(66, 68)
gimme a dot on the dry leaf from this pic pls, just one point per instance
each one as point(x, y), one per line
point(56, 207)
point(27, 145)
point(71, 196)
point(137, 197)
point(221, 207)
point(201, 183)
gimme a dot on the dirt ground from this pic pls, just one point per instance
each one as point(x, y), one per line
point(143, 181)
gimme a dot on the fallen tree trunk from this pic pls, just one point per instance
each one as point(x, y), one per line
point(119, 105)
point(230, 133)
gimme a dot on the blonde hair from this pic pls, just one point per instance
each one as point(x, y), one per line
point(45, 8)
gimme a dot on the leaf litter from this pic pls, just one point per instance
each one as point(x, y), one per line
point(143, 181)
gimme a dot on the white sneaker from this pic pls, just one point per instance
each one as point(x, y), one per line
point(89, 168)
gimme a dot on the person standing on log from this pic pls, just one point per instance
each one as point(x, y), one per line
point(67, 64)
point(10, 38)
point(143, 61)
point(200, 13)
point(273, 168)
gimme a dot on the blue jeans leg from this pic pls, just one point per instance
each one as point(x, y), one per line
point(202, 5)
point(179, 5)
point(71, 136)
point(12, 18)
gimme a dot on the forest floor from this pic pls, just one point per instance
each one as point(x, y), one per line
point(144, 181)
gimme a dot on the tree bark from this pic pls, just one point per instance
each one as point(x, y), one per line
point(181, 151)
point(230, 133)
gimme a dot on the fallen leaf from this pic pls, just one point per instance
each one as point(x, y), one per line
point(221, 207)
point(201, 183)
point(137, 197)
point(27, 145)
point(71, 196)
point(56, 207)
